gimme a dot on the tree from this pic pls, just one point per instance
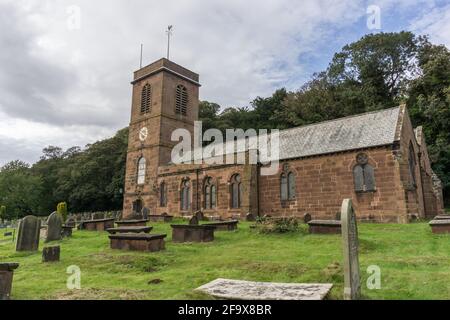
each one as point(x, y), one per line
point(20, 191)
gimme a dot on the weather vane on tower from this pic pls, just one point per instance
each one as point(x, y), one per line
point(169, 33)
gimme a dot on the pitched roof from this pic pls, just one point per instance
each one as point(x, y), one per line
point(355, 132)
point(361, 131)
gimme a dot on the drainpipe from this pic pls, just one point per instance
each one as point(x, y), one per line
point(197, 194)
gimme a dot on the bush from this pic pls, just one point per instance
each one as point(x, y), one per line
point(61, 209)
point(278, 225)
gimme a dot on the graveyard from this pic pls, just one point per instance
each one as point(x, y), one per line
point(413, 262)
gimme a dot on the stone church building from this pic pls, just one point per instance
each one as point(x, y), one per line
point(378, 159)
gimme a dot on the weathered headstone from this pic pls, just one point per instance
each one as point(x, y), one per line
point(145, 213)
point(352, 281)
point(250, 217)
point(193, 221)
point(51, 254)
point(6, 278)
point(307, 218)
point(199, 215)
point(28, 234)
point(54, 227)
point(71, 222)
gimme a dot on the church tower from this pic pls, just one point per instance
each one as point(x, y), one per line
point(165, 98)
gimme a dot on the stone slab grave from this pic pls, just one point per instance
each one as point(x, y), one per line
point(230, 225)
point(324, 226)
point(138, 242)
point(51, 254)
point(130, 229)
point(160, 218)
point(440, 226)
point(6, 279)
point(132, 223)
point(350, 244)
point(28, 234)
point(96, 225)
point(442, 217)
point(249, 290)
point(54, 227)
point(192, 232)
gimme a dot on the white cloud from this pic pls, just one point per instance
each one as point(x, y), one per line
point(70, 87)
point(435, 23)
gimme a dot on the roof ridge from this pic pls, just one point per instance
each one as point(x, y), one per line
point(338, 119)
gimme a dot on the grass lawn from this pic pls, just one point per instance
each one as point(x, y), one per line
point(415, 264)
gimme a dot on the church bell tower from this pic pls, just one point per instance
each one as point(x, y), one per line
point(165, 98)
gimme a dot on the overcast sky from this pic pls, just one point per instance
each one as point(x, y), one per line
point(66, 66)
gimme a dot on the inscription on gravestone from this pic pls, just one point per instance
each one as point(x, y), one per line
point(352, 284)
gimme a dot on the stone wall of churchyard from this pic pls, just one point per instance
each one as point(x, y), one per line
point(322, 182)
point(83, 216)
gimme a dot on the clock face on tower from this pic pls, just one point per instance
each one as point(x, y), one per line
point(143, 133)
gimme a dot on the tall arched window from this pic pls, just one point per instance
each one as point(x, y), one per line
point(287, 186)
point(412, 164)
point(235, 191)
point(284, 187)
point(291, 186)
point(146, 99)
point(181, 100)
point(141, 171)
point(363, 174)
point(185, 195)
point(162, 194)
point(209, 194)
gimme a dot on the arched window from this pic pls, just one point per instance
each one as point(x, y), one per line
point(235, 191)
point(412, 164)
point(209, 194)
point(162, 194)
point(181, 100)
point(287, 186)
point(363, 174)
point(185, 195)
point(146, 99)
point(141, 171)
point(291, 186)
point(284, 187)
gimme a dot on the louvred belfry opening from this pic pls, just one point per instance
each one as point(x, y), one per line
point(181, 100)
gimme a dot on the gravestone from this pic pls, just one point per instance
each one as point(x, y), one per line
point(307, 218)
point(352, 284)
point(250, 217)
point(51, 254)
point(145, 213)
point(28, 234)
point(71, 222)
point(250, 290)
point(193, 221)
point(54, 227)
point(6, 279)
point(199, 215)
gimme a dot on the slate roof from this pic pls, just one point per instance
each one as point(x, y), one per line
point(366, 130)
point(356, 132)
